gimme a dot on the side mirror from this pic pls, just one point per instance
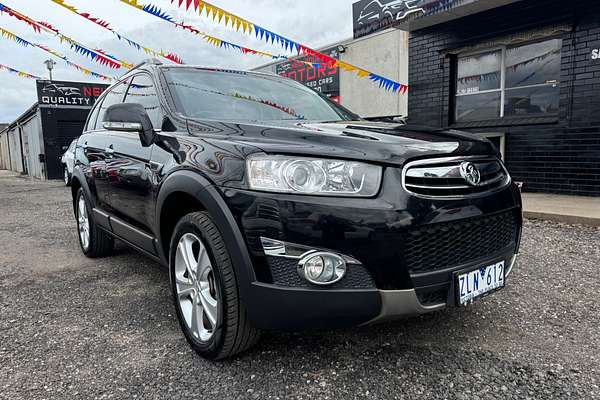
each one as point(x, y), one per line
point(130, 117)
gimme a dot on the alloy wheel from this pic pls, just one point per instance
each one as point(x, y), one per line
point(195, 286)
point(83, 223)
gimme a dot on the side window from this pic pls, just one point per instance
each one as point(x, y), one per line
point(114, 96)
point(142, 91)
point(91, 122)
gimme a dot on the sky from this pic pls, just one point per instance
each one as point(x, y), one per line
point(314, 23)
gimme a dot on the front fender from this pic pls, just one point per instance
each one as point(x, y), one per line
point(206, 194)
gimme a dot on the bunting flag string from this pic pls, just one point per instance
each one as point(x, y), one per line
point(212, 40)
point(20, 74)
point(96, 55)
point(488, 76)
point(495, 75)
point(228, 19)
point(241, 96)
point(105, 25)
point(11, 36)
point(269, 103)
point(529, 61)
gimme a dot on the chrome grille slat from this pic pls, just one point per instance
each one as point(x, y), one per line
point(410, 185)
point(437, 172)
point(442, 178)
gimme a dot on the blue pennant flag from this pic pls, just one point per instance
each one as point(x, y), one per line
point(258, 31)
point(271, 37)
point(154, 10)
point(21, 41)
point(385, 83)
point(84, 51)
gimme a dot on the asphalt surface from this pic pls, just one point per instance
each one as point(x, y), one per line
point(71, 327)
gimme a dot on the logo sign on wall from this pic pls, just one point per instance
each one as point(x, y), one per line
point(68, 94)
point(374, 15)
point(324, 79)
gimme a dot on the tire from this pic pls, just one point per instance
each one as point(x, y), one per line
point(207, 290)
point(98, 243)
point(66, 176)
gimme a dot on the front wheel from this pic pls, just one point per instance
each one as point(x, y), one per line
point(205, 290)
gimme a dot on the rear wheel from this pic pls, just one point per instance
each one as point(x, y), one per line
point(93, 241)
point(205, 290)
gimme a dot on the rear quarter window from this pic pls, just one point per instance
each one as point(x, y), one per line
point(93, 116)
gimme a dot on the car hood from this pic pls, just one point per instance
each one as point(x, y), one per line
point(360, 140)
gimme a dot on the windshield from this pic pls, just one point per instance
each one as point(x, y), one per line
point(240, 96)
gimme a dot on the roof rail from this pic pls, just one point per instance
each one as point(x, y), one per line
point(152, 61)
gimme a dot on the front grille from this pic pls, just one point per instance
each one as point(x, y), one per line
point(285, 273)
point(442, 178)
point(438, 246)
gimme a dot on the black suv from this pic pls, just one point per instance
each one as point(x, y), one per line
point(275, 208)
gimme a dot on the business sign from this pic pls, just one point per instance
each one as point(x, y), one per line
point(68, 94)
point(322, 78)
point(370, 16)
point(595, 54)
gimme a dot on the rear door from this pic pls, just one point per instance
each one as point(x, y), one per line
point(128, 166)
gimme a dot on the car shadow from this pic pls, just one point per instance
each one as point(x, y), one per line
point(451, 325)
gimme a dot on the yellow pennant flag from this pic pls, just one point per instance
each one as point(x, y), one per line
point(62, 3)
point(133, 3)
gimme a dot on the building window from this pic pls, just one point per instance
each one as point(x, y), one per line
point(509, 82)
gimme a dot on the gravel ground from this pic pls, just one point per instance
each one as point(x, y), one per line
point(71, 327)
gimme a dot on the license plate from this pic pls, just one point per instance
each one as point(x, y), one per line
point(476, 283)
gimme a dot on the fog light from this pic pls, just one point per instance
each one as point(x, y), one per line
point(322, 268)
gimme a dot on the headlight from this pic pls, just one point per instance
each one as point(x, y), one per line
point(288, 174)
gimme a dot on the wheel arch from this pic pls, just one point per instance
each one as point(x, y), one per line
point(191, 192)
point(78, 181)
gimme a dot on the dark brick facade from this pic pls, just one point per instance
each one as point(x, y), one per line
point(555, 155)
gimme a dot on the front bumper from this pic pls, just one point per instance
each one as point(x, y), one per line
point(394, 279)
point(297, 308)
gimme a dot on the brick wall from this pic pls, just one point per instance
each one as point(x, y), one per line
point(560, 156)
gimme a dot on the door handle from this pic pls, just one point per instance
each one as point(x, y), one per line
point(109, 150)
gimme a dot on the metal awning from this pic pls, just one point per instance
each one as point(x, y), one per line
point(440, 11)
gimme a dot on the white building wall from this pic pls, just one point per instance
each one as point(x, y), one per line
point(14, 142)
point(4, 153)
point(31, 130)
point(386, 54)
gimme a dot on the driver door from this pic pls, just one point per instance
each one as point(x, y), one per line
point(127, 165)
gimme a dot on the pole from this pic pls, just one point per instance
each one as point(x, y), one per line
point(50, 65)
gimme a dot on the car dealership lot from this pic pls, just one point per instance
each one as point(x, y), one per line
point(72, 327)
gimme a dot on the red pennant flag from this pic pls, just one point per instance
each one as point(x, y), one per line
point(174, 57)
